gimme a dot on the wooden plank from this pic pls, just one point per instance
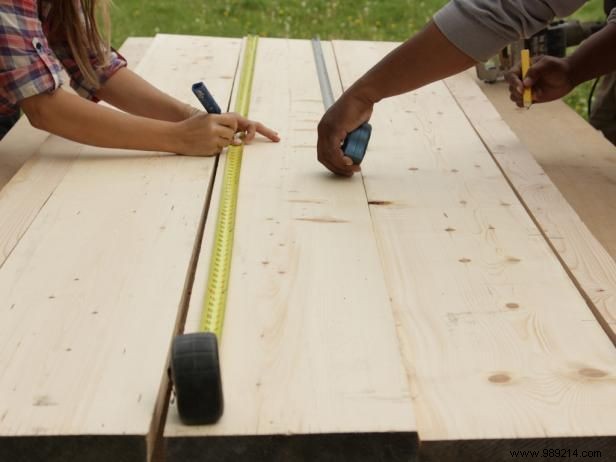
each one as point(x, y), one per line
point(17, 146)
point(311, 365)
point(27, 160)
point(134, 48)
point(90, 295)
point(23, 141)
point(587, 262)
point(576, 157)
point(500, 346)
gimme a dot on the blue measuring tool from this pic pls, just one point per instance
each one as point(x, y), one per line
point(356, 142)
point(206, 98)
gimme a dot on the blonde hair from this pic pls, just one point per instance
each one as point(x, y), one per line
point(75, 21)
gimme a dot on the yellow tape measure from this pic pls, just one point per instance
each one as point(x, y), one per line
point(525, 61)
point(218, 279)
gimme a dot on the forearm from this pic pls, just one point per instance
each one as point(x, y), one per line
point(129, 92)
point(594, 57)
point(427, 57)
point(83, 121)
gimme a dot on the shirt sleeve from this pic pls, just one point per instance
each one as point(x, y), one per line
point(481, 28)
point(28, 66)
point(612, 17)
point(78, 81)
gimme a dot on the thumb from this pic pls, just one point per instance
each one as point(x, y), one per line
point(532, 77)
point(534, 73)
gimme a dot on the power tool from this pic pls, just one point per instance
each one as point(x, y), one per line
point(553, 41)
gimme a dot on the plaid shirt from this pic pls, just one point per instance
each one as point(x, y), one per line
point(28, 65)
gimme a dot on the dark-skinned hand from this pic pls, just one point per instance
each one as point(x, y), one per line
point(348, 113)
point(548, 78)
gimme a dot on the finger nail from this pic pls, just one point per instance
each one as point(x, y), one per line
point(348, 161)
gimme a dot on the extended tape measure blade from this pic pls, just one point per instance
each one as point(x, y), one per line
point(212, 319)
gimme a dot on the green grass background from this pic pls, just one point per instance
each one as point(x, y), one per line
point(393, 20)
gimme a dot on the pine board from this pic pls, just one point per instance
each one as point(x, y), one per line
point(90, 295)
point(500, 346)
point(23, 140)
point(578, 159)
point(590, 265)
point(32, 157)
point(311, 364)
point(17, 146)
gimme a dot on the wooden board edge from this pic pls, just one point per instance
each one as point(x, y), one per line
point(155, 436)
point(547, 449)
point(344, 447)
point(199, 284)
point(199, 263)
point(91, 448)
point(597, 298)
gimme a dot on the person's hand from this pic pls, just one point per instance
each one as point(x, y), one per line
point(207, 134)
point(548, 77)
point(348, 113)
point(249, 129)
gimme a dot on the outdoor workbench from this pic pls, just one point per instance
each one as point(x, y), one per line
point(448, 303)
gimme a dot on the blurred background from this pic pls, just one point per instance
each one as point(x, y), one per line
point(391, 20)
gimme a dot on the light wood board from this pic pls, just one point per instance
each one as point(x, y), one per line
point(17, 146)
point(576, 157)
point(500, 345)
point(589, 264)
point(310, 360)
point(90, 295)
point(26, 160)
point(134, 48)
point(23, 140)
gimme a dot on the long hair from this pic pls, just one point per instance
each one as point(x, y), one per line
point(75, 21)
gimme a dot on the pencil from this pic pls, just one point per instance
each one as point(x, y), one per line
point(528, 95)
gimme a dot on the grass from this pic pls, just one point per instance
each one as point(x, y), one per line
point(359, 19)
point(393, 20)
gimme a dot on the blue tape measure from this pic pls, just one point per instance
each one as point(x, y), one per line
point(356, 143)
point(206, 98)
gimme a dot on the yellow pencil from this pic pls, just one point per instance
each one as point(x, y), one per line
point(528, 95)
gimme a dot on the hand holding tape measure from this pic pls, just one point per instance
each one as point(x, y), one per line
point(355, 144)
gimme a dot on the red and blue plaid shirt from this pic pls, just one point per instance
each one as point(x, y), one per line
point(29, 65)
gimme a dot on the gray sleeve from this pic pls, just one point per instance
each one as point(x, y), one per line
point(481, 28)
point(612, 16)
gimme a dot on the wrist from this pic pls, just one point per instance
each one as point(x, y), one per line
point(181, 112)
point(170, 135)
point(574, 70)
point(571, 71)
point(364, 91)
point(190, 111)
